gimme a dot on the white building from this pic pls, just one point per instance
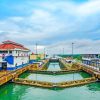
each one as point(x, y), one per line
point(91, 59)
point(13, 55)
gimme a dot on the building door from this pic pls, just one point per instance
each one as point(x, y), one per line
point(4, 65)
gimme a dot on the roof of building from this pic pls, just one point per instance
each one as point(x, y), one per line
point(10, 45)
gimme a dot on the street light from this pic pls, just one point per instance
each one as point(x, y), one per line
point(36, 60)
point(72, 56)
point(44, 53)
point(63, 51)
point(36, 47)
point(72, 50)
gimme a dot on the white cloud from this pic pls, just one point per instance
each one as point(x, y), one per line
point(88, 8)
point(80, 47)
point(40, 25)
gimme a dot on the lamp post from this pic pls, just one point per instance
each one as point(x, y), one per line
point(36, 47)
point(36, 59)
point(72, 56)
point(44, 53)
point(63, 51)
point(72, 51)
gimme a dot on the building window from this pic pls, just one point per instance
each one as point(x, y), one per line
point(97, 56)
point(3, 51)
point(16, 64)
point(3, 56)
point(10, 52)
point(22, 63)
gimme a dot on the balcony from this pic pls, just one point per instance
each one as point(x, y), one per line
point(89, 58)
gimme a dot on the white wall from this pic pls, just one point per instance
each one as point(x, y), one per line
point(0, 59)
point(19, 53)
point(20, 60)
point(0, 64)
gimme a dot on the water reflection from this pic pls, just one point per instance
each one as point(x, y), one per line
point(22, 92)
point(11, 91)
point(94, 86)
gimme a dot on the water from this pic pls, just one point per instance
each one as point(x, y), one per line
point(11, 91)
point(22, 92)
point(54, 67)
point(55, 78)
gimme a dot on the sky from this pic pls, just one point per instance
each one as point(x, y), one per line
point(52, 24)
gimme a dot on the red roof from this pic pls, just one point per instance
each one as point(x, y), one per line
point(11, 45)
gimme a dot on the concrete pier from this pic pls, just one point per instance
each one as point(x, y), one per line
point(52, 85)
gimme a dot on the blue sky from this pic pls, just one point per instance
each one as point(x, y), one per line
point(53, 24)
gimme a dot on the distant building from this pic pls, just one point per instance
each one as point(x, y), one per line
point(91, 59)
point(13, 55)
point(35, 57)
